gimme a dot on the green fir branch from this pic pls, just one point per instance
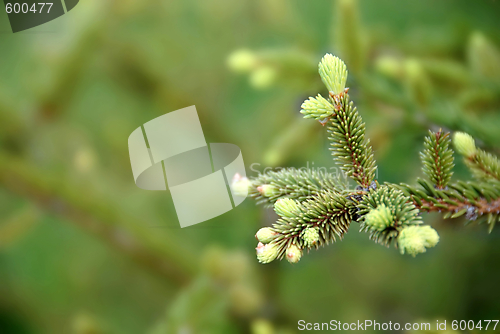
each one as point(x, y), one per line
point(298, 184)
point(328, 213)
point(350, 149)
point(437, 158)
point(316, 208)
point(476, 201)
point(484, 166)
point(385, 212)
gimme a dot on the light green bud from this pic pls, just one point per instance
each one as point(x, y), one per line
point(267, 190)
point(240, 185)
point(333, 72)
point(242, 61)
point(293, 254)
point(379, 218)
point(287, 207)
point(317, 108)
point(415, 239)
point(431, 236)
point(464, 144)
point(266, 253)
point(310, 236)
point(263, 77)
point(265, 235)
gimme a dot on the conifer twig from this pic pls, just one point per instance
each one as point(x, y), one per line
point(437, 158)
point(314, 210)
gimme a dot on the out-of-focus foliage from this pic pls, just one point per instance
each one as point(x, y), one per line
point(82, 250)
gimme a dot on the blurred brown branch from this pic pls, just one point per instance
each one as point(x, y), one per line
point(92, 213)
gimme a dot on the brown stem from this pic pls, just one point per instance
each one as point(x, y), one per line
point(482, 206)
point(439, 183)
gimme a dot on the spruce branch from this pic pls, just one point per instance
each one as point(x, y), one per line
point(484, 166)
point(293, 183)
point(385, 212)
point(345, 126)
point(349, 147)
point(437, 158)
point(317, 208)
point(313, 223)
point(475, 200)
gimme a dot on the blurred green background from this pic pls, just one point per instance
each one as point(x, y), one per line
point(83, 250)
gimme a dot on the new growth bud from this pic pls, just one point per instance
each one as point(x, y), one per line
point(317, 107)
point(464, 144)
point(266, 253)
point(379, 218)
point(286, 207)
point(310, 236)
point(267, 190)
point(415, 239)
point(333, 72)
point(240, 185)
point(265, 235)
point(293, 254)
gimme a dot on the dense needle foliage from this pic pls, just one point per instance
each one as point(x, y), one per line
point(316, 209)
